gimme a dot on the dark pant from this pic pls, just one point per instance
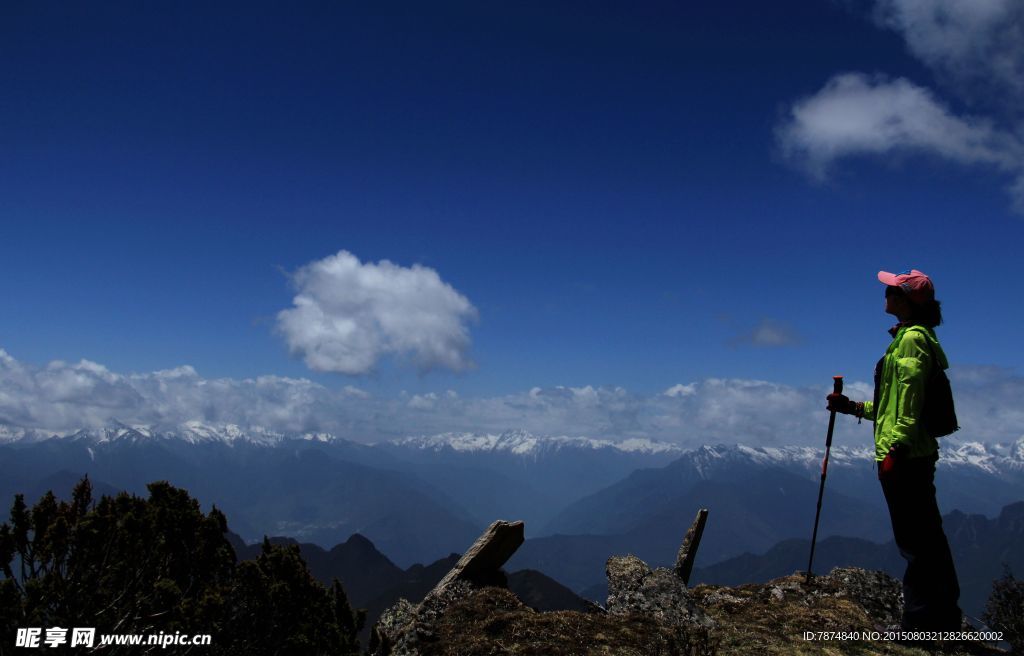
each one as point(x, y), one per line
point(930, 587)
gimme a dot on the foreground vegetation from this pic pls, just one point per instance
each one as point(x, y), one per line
point(129, 565)
point(158, 565)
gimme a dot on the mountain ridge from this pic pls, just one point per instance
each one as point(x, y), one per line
point(422, 497)
point(990, 457)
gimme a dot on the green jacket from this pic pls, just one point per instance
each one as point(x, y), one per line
point(899, 392)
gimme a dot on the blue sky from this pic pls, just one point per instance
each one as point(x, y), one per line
point(567, 195)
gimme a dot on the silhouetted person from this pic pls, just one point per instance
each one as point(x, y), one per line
point(906, 453)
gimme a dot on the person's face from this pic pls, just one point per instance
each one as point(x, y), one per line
point(896, 303)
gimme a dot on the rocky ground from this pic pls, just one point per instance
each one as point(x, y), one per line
point(652, 613)
point(773, 618)
point(764, 619)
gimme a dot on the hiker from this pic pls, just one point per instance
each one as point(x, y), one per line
point(906, 453)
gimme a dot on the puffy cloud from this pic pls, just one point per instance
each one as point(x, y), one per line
point(347, 315)
point(62, 398)
point(976, 46)
point(681, 390)
point(858, 115)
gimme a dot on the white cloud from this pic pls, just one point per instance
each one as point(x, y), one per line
point(976, 50)
point(423, 401)
point(352, 390)
point(976, 46)
point(681, 390)
point(62, 397)
point(348, 315)
point(856, 115)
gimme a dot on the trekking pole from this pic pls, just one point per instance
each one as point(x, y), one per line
point(837, 388)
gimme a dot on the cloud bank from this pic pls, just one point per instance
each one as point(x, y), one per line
point(64, 397)
point(976, 48)
point(347, 315)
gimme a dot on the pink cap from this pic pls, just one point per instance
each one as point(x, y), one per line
point(917, 286)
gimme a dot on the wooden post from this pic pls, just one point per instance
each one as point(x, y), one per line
point(688, 550)
point(486, 556)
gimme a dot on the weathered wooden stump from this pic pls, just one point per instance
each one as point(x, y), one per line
point(688, 550)
point(482, 562)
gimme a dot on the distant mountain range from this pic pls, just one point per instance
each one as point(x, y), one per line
point(316, 491)
point(981, 548)
point(374, 583)
point(757, 497)
point(418, 499)
point(421, 498)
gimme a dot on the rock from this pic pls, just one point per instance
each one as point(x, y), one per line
point(755, 619)
point(691, 542)
point(407, 630)
point(879, 594)
point(404, 629)
point(634, 588)
point(651, 611)
point(494, 622)
point(625, 576)
point(389, 627)
point(720, 597)
point(482, 562)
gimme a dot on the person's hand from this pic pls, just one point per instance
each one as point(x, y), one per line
point(891, 461)
point(839, 403)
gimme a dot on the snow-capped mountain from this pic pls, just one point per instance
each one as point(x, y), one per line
point(267, 484)
point(192, 432)
point(513, 442)
point(523, 443)
point(557, 484)
point(991, 458)
point(999, 459)
point(988, 457)
point(757, 497)
point(12, 434)
point(522, 475)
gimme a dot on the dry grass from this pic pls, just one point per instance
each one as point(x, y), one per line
point(755, 620)
point(494, 622)
point(771, 619)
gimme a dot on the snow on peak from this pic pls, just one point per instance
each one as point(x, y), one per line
point(994, 458)
point(524, 443)
point(991, 458)
point(317, 437)
point(191, 432)
point(116, 432)
point(196, 432)
point(12, 434)
point(644, 445)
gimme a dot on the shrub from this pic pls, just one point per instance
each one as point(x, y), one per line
point(129, 565)
point(1005, 610)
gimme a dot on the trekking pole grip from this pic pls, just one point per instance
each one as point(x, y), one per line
point(837, 384)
